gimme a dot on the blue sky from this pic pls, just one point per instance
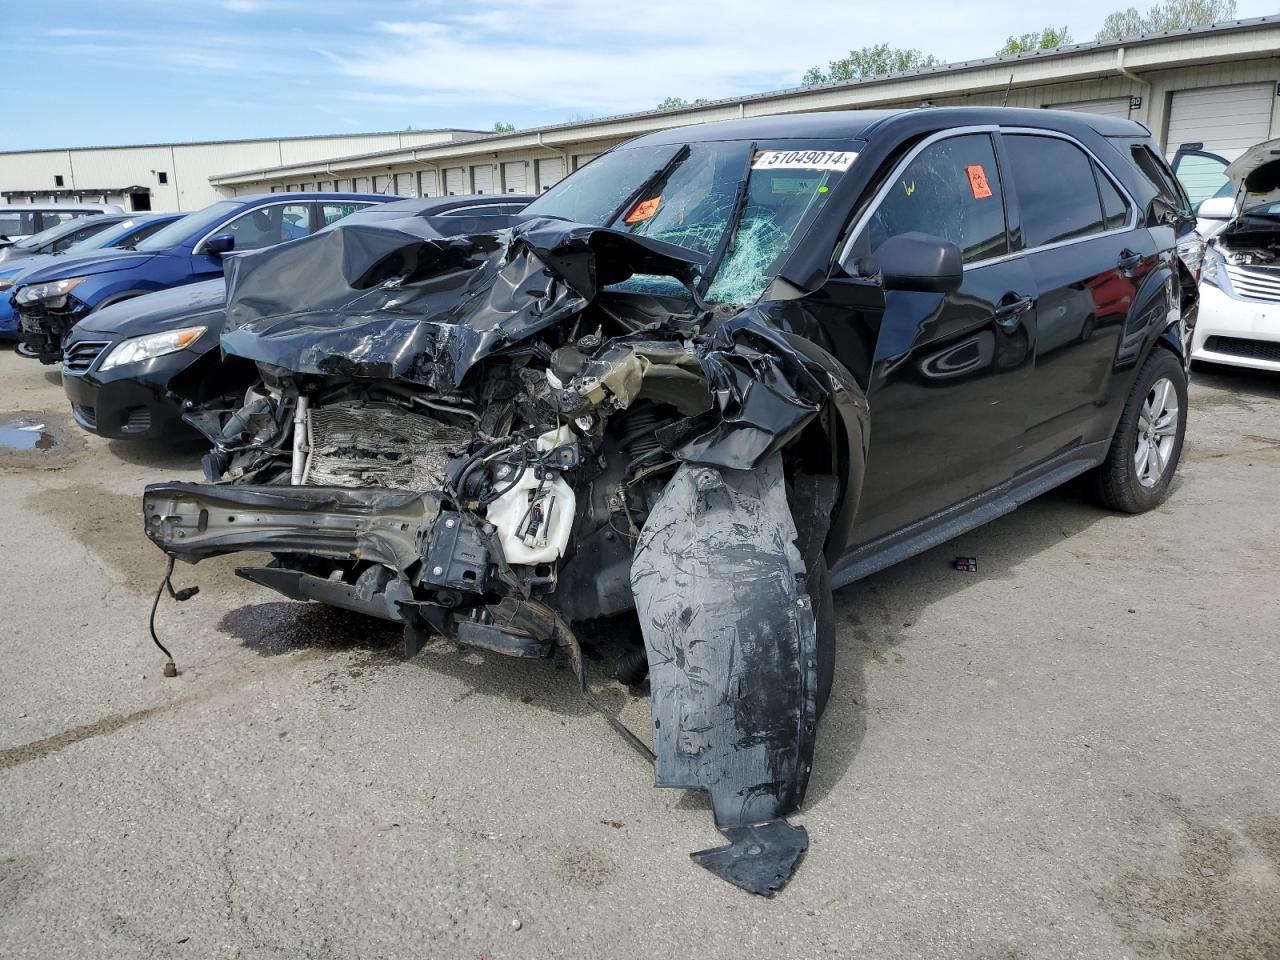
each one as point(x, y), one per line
point(131, 71)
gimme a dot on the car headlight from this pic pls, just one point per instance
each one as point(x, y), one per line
point(153, 345)
point(1213, 268)
point(52, 294)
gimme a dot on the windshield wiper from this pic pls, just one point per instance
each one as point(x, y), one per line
point(661, 173)
point(735, 212)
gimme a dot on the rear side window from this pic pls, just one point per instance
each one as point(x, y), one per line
point(333, 212)
point(951, 189)
point(1115, 209)
point(1057, 194)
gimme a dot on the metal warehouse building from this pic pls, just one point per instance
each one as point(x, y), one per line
point(1218, 86)
point(176, 176)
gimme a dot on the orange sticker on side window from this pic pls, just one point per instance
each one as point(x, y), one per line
point(978, 181)
point(643, 211)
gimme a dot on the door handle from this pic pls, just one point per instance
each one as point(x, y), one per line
point(1007, 313)
point(1128, 259)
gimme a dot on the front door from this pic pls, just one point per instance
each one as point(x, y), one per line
point(949, 373)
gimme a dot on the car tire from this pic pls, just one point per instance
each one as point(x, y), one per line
point(1146, 448)
point(24, 351)
point(818, 583)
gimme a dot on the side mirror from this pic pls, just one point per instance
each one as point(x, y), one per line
point(918, 262)
point(1216, 208)
point(219, 244)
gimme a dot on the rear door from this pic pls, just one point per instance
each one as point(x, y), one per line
point(949, 372)
point(1080, 235)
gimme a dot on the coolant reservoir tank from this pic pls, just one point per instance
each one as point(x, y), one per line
point(533, 518)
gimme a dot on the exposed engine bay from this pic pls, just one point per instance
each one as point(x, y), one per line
point(491, 438)
point(1250, 241)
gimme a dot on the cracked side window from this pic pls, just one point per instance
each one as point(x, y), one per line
point(950, 190)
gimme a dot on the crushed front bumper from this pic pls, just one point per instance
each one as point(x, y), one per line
point(719, 582)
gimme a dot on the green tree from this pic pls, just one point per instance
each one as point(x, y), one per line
point(875, 61)
point(675, 103)
point(1045, 39)
point(503, 127)
point(1170, 15)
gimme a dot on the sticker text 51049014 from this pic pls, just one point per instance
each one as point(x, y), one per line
point(837, 160)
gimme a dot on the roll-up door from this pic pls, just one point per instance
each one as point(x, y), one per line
point(482, 178)
point(515, 177)
point(1226, 120)
point(549, 172)
point(382, 183)
point(361, 185)
point(1111, 107)
point(429, 183)
point(454, 181)
point(580, 160)
point(404, 185)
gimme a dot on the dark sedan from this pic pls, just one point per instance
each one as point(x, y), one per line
point(131, 369)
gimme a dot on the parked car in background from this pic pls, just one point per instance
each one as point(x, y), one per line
point(131, 369)
point(708, 375)
point(58, 237)
point(54, 299)
point(20, 220)
point(1239, 322)
point(121, 234)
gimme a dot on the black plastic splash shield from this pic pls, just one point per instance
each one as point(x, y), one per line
point(732, 646)
point(394, 300)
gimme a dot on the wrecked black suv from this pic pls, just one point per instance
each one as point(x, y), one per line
point(711, 375)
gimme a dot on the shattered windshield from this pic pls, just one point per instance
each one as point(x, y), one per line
point(740, 203)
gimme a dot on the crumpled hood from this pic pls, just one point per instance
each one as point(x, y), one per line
point(396, 300)
point(170, 309)
point(69, 265)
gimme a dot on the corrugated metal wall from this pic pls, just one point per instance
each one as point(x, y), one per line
point(187, 167)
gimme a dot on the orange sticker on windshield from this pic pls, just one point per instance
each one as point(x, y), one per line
point(978, 181)
point(643, 211)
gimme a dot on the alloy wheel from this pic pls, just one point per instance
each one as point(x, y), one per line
point(1157, 432)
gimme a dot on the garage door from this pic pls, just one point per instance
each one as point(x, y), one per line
point(429, 183)
point(482, 178)
point(454, 180)
point(1227, 120)
point(1113, 107)
point(361, 184)
point(550, 172)
point(515, 177)
point(580, 160)
point(404, 185)
point(382, 183)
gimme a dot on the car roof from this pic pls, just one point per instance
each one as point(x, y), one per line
point(305, 196)
point(865, 124)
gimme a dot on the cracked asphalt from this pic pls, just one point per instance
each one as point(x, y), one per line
point(1073, 753)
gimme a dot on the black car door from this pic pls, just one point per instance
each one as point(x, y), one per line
point(1080, 236)
point(949, 372)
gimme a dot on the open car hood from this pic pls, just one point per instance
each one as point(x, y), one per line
point(1255, 175)
point(396, 300)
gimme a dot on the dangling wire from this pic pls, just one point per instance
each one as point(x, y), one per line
point(170, 668)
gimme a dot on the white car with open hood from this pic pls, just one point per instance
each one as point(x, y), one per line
point(1239, 319)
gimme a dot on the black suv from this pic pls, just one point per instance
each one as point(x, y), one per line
point(711, 375)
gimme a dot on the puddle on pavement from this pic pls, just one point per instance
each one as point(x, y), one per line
point(24, 434)
point(36, 439)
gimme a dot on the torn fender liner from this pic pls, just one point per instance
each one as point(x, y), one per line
point(396, 300)
point(732, 646)
point(764, 392)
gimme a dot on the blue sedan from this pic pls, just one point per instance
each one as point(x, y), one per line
point(52, 300)
point(117, 233)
